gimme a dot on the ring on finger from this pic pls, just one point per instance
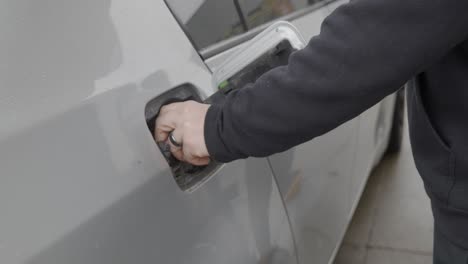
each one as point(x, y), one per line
point(174, 141)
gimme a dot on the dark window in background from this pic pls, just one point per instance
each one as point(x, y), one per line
point(210, 21)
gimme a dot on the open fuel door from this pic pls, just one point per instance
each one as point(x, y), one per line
point(266, 51)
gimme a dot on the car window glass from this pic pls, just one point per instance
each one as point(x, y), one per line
point(210, 21)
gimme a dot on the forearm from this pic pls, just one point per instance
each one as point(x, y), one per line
point(366, 50)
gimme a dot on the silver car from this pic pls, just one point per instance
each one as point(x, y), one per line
point(82, 180)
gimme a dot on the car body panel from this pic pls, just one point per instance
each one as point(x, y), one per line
point(82, 180)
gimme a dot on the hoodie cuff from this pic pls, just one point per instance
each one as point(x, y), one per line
point(214, 143)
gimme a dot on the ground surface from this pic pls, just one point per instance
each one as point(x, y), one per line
point(393, 222)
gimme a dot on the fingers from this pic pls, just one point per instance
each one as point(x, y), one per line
point(200, 161)
point(165, 123)
point(178, 136)
point(161, 135)
point(168, 118)
point(186, 122)
point(186, 152)
point(186, 156)
point(170, 107)
point(177, 152)
point(195, 160)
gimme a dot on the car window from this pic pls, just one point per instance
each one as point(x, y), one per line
point(210, 21)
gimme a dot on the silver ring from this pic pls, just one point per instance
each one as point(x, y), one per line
point(174, 141)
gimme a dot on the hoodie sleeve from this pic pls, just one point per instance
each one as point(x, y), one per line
point(366, 50)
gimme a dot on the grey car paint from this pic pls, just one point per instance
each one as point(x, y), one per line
point(81, 178)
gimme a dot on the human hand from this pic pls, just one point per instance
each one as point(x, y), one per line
point(185, 123)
